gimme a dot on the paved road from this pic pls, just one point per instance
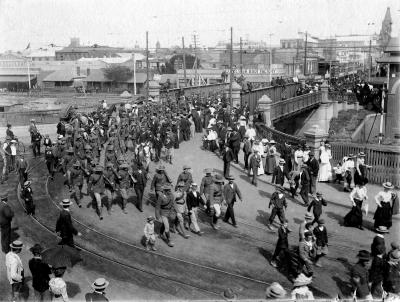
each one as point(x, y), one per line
point(244, 255)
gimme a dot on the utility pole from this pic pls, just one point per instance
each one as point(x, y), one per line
point(241, 57)
point(184, 60)
point(29, 80)
point(305, 57)
point(231, 69)
point(195, 58)
point(370, 62)
point(147, 66)
point(270, 59)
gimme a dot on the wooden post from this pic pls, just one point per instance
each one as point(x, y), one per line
point(184, 61)
point(147, 66)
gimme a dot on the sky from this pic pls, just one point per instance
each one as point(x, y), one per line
point(123, 22)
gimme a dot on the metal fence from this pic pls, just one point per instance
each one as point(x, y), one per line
point(295, 105)
point(275, 93)
point(384, 159)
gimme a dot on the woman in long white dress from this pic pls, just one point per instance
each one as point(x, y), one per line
point(325, 168)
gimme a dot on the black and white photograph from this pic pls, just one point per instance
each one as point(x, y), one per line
point(209, 150)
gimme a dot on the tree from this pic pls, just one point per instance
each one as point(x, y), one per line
point(118, 73)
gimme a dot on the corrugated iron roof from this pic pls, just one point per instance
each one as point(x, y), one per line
point(15, 79)
point(66, 75)
point(96, 75)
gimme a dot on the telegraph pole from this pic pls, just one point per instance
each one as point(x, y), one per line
point(241, 57)
point(305, 56)
point(147, 65)
point(370, 62)
point(231, 69)
point(195, 58)
point(184, 60)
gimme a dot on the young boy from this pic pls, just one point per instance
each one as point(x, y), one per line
point(150, 237)
point(338, 173)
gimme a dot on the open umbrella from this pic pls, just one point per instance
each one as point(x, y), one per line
point(61, 256)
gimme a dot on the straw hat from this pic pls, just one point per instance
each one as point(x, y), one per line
point(388, 185)
point(382, 229)
point(100, 284)
point(66, 203)
point(302, 280)
point(275, 290)
point(17, 245)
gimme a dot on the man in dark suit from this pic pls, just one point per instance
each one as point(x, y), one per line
point(280, 172)
point(141, 179)
point(64, 226)
point(246, 151)
point(230, 191)
point(234, 143)
point(193, 202)
point(254, 164)
point(6, 216)
point(227, 157)
point(282, 246)
point(313, 168)
point(40, 274)
point(321, 241)
point(305, 183)
point(99, 286)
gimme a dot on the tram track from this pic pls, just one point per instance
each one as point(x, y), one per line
point(208, 279)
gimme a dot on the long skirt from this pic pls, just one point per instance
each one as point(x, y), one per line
point(270, 164)
point(383, 215)
point(354, 217)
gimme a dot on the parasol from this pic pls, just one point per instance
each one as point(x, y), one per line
point(61, 256)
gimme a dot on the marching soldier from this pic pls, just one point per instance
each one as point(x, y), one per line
point(160, 178)
point(205, 187)
point(26, 195)
point(50, 161)
point(165, 212)
point(181, 209)
point(96, 186)
point(22, 168)
point(110, 155)
point(110, 177)
point(68, 161)
point(186, 178)
point(125, 180)
point(77, 182)
point(216, 199)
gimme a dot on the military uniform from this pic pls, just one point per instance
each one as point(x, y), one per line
point(77, 182)
point(165, 211)
point(216, 199)
point(205, 188)
point(97, 187)
point(110, 177)
point(124, 181)
point(50, 161)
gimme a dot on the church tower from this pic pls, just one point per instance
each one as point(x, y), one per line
point(386, 30)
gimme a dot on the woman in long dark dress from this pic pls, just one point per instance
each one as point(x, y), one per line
point(357, 196)
point(383, 213)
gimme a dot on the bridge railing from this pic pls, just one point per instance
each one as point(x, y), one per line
point(275, 93)
point(279, 137)
point(204, 91)
point(295, 104)
point(342, 97)
point(384, 159)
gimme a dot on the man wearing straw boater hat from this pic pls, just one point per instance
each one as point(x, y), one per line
point(99, 286)
point(64, 226)
point(15, 270)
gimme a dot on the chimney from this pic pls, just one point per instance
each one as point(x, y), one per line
point(88, 72)
point(78, 70)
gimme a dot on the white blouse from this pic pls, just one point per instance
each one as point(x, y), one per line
point(359, 193)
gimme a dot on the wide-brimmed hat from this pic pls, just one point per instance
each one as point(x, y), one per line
point(275, 290)
point(36, 249)
point(308, 216)
point(70, 150)
point(395, 245)
point(160, 168)
point(364, 255)
point(382, 229)
point(185, 167)
point(321, 221)
point(16, 244)
point(180, 184)
point(27, 183)
point(66, 202)
point(77, 163)
point(230, 177)
point(207, 171)
point(228, 294)
point(302, 280)
point(265, 141)
point(109, 165)
point(100, 283)
point(319, 194)
point(361, 154)
point(193, 184)
point(218, 178)
point(282, 161)
point(388, 185)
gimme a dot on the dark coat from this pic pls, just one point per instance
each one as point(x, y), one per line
point(227, 156)
point(278, 176)
point(230, 193)
point(95, 296)
point(193, 201)
point(141, 179)
point(376, 242)
point(305, 178)
point(6, 214)
point(313, 166)
point(376, 270)
point(282, 238)
point(64, 225)
point(321, 237)
point(234, 140)
point(316, 205)
point(40, 274)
